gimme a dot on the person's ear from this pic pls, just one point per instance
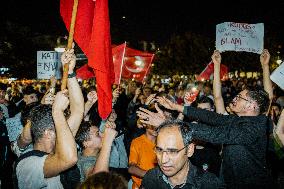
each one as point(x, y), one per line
point(25, 98)
point(48, 134)
point(252, 106)
point(85, 144)
point(190, 150)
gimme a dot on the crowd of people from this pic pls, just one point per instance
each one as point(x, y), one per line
point(181, 134)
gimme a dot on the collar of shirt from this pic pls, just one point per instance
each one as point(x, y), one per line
point(189, 180)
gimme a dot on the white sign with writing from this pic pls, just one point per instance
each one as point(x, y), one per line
point(231, 36)
point(48, 64)
point(277, 76)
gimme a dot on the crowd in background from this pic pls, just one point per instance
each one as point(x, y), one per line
point(121, 149)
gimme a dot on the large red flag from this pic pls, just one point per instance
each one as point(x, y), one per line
point(92, 34)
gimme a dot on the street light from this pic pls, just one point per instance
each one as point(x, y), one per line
point(59, 49)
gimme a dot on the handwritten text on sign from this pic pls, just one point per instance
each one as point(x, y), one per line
point(48, 64)
point(231, 36)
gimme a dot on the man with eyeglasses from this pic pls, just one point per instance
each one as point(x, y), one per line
point(173, 148)
point(243, 134)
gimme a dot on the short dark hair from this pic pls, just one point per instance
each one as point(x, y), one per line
point(3, 86)
point(83, 133)
point(26, 112)
point(205, 99)
point(184, 128)
point(261, 97)
point(104, 180)
point(28, 90)
point(41, 120)
point(276, 104)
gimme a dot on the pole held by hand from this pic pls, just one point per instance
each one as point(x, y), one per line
point(69, 45)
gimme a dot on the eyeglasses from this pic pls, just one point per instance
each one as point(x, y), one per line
point(169, 152)
point(240, 97)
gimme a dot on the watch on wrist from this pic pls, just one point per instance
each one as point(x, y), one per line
point(72, 75)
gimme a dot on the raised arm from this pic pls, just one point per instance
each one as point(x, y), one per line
point(240, 131)
point(25, 137)
point(207, 117)
point(48, 98)
point(102, 163)
point(65, 155)
point(92, 99)
point(75, 93)
point(218, 99)
point(264, 60)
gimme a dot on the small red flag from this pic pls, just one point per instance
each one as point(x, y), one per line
point(118, 54)
point(209, 70)
point(137, 64)
point(92, 34)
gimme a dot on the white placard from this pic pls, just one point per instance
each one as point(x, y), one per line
point(14, 127)
point(231, 36)
point(48, 64)
point(277, 76)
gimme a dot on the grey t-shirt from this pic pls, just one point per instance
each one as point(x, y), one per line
point(84, 163)
point(30, 174)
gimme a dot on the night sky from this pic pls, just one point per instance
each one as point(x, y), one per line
point(154, 20)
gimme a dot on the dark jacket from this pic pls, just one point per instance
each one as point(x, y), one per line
point(196, 179)
point(245, 145)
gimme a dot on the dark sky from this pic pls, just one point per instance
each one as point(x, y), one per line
point(155, 19)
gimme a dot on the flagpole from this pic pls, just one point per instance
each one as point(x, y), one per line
point(69, 44)
point(146, 73)
point(122, 63)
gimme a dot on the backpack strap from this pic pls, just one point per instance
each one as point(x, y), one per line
point(23, 156)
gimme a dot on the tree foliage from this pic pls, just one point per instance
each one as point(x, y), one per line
point(189, 53)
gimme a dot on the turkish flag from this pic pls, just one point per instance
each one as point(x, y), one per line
point(209, 70)
point(137, 64)
point(128, 63)
point(92, 34)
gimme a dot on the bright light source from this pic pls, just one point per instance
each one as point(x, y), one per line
point(59, 49)
point(278, 61)
point(138, 62)
point(123, 17)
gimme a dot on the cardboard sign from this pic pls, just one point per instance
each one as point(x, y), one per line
point(231, 36)
point(48, 64)
point(277, 76)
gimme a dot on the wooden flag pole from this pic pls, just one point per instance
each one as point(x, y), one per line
point(69, 45)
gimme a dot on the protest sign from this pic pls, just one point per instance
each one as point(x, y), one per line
point(48, 64)
point(231, 36)
point(277, 76)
